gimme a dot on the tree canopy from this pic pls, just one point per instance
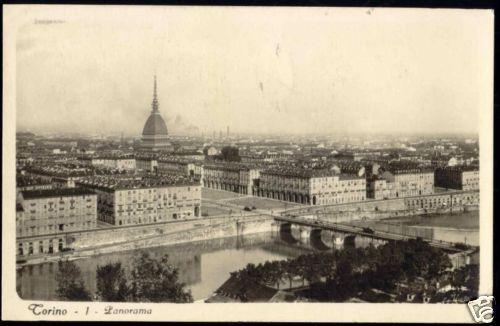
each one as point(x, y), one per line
point(156, 281)
point(341, 274)
point(149, 280)
point(111, 283)
point(230, 154)
point(70, 285)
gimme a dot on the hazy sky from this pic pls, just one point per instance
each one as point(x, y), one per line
point(253, 69)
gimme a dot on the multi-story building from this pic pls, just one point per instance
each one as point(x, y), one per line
point(234, 177)
point(193, 155)
point(58, 175)
point(43, 217)
point(396, 182)
point(129, 201)
point(24, 183)
point(312, 187)
point(457, 177)
point(377, 188)
point(182, 166)
point(349, 167)
point(109, 162)
point(118, 163)
point(444, 200)
point(146, 165)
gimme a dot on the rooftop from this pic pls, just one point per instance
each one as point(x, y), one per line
point(110, 183)
point(405, 168)
point(63, 192)
point(22, 181)
point(244, 289)
point(231, 166)
point(180, 160)
point(155, 125)
point(460, 168)
point(300, 172)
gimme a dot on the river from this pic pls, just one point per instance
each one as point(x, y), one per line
point(456, 227)
point(205, 265)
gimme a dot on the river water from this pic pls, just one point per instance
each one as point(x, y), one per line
point(456, 227)
point(205, 265)
point(202, 265)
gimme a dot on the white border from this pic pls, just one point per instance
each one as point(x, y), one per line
point(14, 308)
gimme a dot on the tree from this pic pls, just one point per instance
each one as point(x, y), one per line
point(111, 283)
point(468, 277)
point(230, 154)
point(156, 281)
point(70, 285)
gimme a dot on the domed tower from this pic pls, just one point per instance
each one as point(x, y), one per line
point(154, 133)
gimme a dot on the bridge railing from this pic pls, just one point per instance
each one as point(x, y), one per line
point(360, 229)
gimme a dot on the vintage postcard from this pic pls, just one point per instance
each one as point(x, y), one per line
point(175, 163)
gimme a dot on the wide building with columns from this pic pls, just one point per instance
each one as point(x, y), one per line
point(187, 167)
point(311, 187)
point(235, 177)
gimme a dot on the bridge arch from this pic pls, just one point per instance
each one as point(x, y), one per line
point(285, 232)
point(350, 240)
point(317, 241)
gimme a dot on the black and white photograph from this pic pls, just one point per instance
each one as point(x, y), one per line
point(166, 159)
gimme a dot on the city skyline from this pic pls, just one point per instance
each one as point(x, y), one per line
point(350, 78)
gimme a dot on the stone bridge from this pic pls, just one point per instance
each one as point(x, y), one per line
point(323, 235)
point(319, 238)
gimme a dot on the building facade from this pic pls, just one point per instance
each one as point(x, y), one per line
point(43, 217)
point(239, 178)
point(405, 182)
point(145, 200)
point(185, 167)
point(311, 187)
point(146, 165)
point(444, 201)
point(459, 177)
point(118, 163)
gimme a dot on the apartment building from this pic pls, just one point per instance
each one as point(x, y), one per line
point(44, 216)
point(457, 177)
point(144, 200)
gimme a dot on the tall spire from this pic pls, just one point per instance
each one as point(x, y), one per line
point(155, 103)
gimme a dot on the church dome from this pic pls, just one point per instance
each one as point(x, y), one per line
point(155, 125)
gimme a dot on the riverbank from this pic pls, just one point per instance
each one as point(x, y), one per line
point(451, 227)
point(203, 265)
point(463, 221)
point(113, 238)
point(109, 240)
